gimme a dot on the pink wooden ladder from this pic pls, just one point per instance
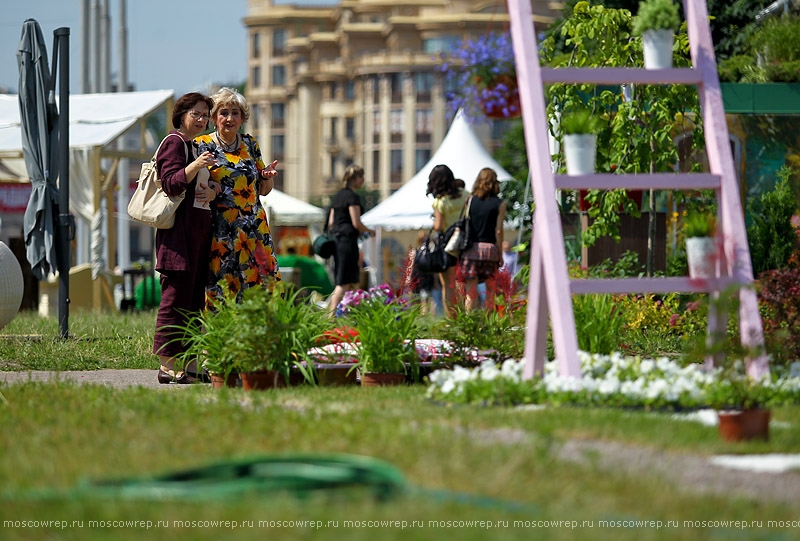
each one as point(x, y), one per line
point(550, 288)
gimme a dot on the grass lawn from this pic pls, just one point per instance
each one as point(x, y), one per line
point(53, 436)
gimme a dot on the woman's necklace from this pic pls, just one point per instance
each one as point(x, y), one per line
point(229, 148)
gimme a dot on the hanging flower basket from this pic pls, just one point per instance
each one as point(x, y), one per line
point(483, 73)
point(502, 100)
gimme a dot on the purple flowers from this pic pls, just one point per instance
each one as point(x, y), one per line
point(483, 74)
point(382, 293)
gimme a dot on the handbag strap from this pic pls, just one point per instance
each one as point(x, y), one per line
point(466, 208)
point(185, 152)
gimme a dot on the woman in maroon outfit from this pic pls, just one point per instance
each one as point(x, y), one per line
point(182, 251)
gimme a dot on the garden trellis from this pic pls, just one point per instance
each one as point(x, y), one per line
point(550, 288)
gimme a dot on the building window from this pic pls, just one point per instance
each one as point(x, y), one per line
point(333, 135)
point(424, 85)
point(350, 128)
point(421, 157)
point(278, 148)
point(441, 44)
point(334, 90)
point(256, 82)
point(349, 91)
point(424, 125)
point(333, 167)
point(396, 166)
point(254, 116)
point(278, 111)
point(376, 126)
point(396, 81)
point(376, 89)
point(256, 44)
point(396, 125)
point(278, 75)
point(278, 42)
point(376, 166)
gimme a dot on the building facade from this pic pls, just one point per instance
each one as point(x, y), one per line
point(357, 82)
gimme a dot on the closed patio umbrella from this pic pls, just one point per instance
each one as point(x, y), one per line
point(48, 226)
point(39, 119)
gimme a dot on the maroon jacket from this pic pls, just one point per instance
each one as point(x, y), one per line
point(187, 243)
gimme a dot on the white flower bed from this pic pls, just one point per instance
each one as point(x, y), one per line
point(607, 380)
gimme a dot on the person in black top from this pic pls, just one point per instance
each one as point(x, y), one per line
point(479, 262)
point(344, 223)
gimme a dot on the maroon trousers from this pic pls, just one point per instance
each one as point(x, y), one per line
point(182, 297)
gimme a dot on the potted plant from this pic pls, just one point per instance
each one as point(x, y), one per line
point(387, 331)
point(206, 336)
point(656, 22)
point(701, 248)
point(742, 404)
point(484, 75)
point(275, 329)
point(580, 141)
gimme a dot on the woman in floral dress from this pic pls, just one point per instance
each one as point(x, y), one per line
point(242, 253)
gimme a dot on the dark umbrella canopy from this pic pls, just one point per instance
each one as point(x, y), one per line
point(39, 119)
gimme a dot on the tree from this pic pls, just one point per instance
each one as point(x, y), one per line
point(640, 131)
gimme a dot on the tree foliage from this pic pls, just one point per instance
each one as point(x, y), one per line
point(641, 130)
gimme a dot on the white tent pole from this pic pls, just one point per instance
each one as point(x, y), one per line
point(377, 254)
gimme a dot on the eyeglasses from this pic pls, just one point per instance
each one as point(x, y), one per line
point(197, 115)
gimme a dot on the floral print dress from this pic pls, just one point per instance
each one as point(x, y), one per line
point(242, 252)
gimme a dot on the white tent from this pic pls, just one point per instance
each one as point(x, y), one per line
point(284, 209)
point(409, 207)
point(101, 127)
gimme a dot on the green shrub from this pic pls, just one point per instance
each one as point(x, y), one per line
point(771, 236)
point(656, 15)
point(501, 336)
point(598, 322)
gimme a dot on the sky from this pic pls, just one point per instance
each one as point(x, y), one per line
point(182, 45)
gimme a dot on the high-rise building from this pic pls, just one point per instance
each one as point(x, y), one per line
point(357, 82)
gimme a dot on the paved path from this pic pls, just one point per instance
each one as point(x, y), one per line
point(114, 378)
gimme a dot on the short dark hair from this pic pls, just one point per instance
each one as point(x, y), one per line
point(441, 182)
point(185, 104)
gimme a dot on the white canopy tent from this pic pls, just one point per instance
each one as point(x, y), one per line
point(283, 209)
point(409, 207)
point(98, 126)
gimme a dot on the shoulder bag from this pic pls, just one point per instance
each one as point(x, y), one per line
point(324, 245)
point(150, 204)
point(458, 235)
point(431, 257)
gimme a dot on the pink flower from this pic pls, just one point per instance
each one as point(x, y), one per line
point(674, 320)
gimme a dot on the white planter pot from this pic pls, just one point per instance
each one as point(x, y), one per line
point(580, 149)
point(702, 256)
point(11, 285)
point(657, 45)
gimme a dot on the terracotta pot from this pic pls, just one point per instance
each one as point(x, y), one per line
point(744, 424)
point(375, 379)
point(218, 381)
point(260, 381)
point(336, 374)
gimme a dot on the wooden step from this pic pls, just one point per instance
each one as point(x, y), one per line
point(657, 181)
point(615, 76)
point(680, 284)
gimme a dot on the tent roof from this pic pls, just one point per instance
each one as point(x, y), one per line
point(94, 119)
point(409, 207)
point(288, 210)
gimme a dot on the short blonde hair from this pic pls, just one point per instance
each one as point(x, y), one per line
point(229, 96)
point(351, 172)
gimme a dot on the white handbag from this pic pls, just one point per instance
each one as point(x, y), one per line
point(150, 204)
point(459, 237)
